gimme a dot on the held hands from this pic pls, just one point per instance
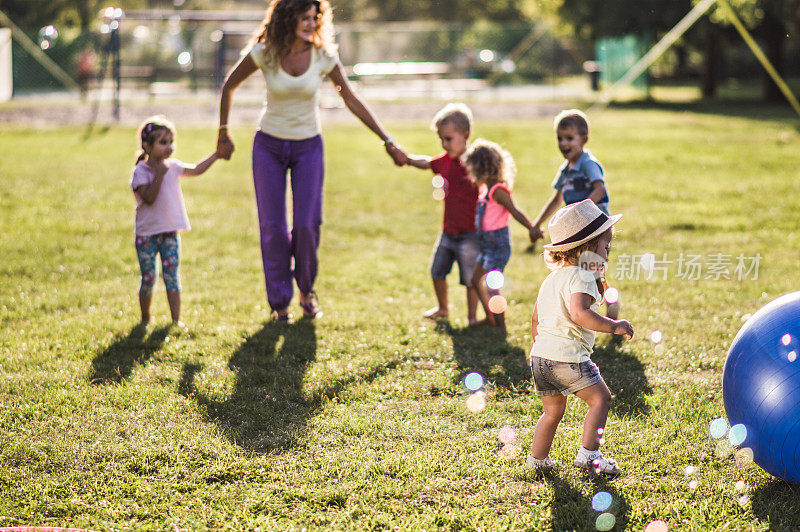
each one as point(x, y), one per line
point(225, 145)
point(623, 327)
point(396, 153)
point(535, 233)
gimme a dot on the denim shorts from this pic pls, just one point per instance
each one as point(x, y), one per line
point(565, 378)
point(460, 247)
point(495, 249)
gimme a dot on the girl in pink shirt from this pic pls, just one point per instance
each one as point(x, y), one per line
point(493, 169)
point(160, 211)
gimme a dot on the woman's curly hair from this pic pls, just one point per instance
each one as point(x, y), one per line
point(277, 31)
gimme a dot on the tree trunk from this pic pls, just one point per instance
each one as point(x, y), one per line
point(712, 60)
point(773, 32)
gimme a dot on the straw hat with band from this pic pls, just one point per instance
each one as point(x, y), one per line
point(577, 223)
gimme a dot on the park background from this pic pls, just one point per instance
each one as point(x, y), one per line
point(362, 419)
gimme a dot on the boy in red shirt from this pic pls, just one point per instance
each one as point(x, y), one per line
point(458, 241)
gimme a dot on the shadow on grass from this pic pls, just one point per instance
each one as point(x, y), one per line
point(487, 351)
point(625, 377)
point(115, 363)
point(572, 510)
point(267, 408)
point(776, 503)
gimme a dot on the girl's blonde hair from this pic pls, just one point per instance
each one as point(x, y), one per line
point(570, 257)
point(277, 31)
point(150, 130)
point(457, 114)
point(488, 160)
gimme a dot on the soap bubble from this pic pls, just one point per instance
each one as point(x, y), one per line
point(473, 381)
point(718, 427)
point(611, 295)
point(476, 402)
point(737, 434)
point(495, 280)
point(602, 501)
point(605, 521)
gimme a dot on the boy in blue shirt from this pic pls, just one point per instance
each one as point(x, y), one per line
point(580, 177)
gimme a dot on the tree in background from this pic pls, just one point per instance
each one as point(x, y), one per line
point(774, 23)
point(441, 10)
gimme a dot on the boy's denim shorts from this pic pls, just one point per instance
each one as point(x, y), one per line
point(495, 249)
point(449, 248)
point(565, 378)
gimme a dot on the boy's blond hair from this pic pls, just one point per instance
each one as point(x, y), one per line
point(457, 114)
point(572, 118)
point(487, 158)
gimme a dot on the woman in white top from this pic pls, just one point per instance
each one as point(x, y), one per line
point(294, 50)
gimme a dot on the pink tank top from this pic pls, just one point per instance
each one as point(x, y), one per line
point(495, 216)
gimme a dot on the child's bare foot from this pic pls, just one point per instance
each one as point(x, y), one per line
point(435, 314)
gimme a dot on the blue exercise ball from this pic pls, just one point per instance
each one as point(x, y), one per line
point(761, 386)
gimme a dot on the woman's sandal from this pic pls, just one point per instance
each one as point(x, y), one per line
point(311, 307)
point(281, 316)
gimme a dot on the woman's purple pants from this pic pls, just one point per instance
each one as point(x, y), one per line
point(302, 160)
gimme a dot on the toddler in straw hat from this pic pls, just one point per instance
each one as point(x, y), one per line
point(564, 323)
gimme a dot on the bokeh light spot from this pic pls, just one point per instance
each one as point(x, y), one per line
point(498, 304)
point(495, 280)
point(718, 427)
point(437, 181)
point(509, 451)
point(611, 295)
point(507, 435)
point(602, 501)
point(743, 457)
point(723, 448)
point(791, 356)
point(605, 521)
point(786, 339)
point(692, 484)
point(473, 381)
point(690, 470)
point(438, 194)
point(743, 500)
point(740, 485)
point(656, 526)
point(737, 434)
point(476, 402)
point(656, 337)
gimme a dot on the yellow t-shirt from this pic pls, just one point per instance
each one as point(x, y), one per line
point(558, 337)
point(291, 109)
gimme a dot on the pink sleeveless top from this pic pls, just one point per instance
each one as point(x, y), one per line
point(495, 216)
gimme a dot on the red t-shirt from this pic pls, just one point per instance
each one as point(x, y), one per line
point(461, 195)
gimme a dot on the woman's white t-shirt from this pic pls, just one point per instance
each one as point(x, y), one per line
point(167, 213)
point(291, 110)
point(558, 337)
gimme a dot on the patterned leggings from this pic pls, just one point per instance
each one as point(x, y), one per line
point(169, 246)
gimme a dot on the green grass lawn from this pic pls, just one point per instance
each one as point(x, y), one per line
point(358, 420)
